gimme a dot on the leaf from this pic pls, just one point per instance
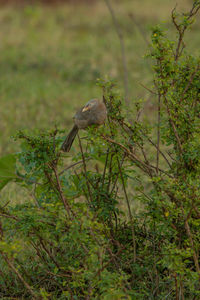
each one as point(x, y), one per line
point(7, 169)
point(3, 183)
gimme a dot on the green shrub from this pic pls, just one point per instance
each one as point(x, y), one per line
point(121, 220)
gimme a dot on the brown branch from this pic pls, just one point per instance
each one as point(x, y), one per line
point(169, 112)
point(174, 128)
point(9, 216)
point(158, 134)
point(73, 165)
point(195, 257)
point(59, 275)
point(128, 152)
point(110, 172)
point(105, 167)
point(108, 263)
point(129, 212)
point(181, 29)
point(160, 151)
point(149, 90)
point(48, 252)
point(146, 159)
point(143, 166)
point(59, 189)
point(12, 267)
point(146, 136)
point(115, 182)
point(190, 81)
point(197, 211)
point(84, 167)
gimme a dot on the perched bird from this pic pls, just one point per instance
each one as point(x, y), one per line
point(93, 113)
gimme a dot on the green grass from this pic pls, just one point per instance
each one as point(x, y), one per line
point(51, 57)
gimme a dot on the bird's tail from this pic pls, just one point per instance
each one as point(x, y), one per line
point(66, 146)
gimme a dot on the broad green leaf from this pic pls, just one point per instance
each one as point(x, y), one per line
point(7, 169)
point(3, 183)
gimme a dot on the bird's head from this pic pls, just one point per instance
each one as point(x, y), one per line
point(90, 104)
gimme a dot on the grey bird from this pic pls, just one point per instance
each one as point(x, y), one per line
point(93, 113)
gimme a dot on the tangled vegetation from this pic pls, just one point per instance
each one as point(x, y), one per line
point(76, 240)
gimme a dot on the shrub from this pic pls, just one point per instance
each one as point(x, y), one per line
point(81, 236)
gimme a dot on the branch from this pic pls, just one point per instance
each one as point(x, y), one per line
point(174, 128)
point(85, 169)
point(143, 166)
point(12, 267)
point(59, 188)
point(149, 90)
point(146, 136)
point(158, 134)
point(129, 212)
point(181, 29)
point(73, 165)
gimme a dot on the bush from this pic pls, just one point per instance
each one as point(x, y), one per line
point(81, 236)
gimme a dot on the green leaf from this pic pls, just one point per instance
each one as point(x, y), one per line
point(7, 169)
point(3, 183)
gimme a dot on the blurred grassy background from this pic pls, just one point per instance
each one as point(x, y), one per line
point(50, 57)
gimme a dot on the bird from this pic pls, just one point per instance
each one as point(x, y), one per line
point(94, 112)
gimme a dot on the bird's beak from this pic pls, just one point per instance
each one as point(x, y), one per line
point(86, 108)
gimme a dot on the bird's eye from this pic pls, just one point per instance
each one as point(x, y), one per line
point(86, 108)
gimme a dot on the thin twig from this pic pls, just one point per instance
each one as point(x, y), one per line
point(129, 212)
point(12, 267)
point(160, 151)
point(115, 182)
point(73, 165)
point(59, 188)
point(85, 169)
point(143, 166)
point(158, 134)
point(110, 172)
point(8, 216)
point(174, 128)
point(105, 166)
point(181, 29)
point(146, 136)
point(148, 89)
